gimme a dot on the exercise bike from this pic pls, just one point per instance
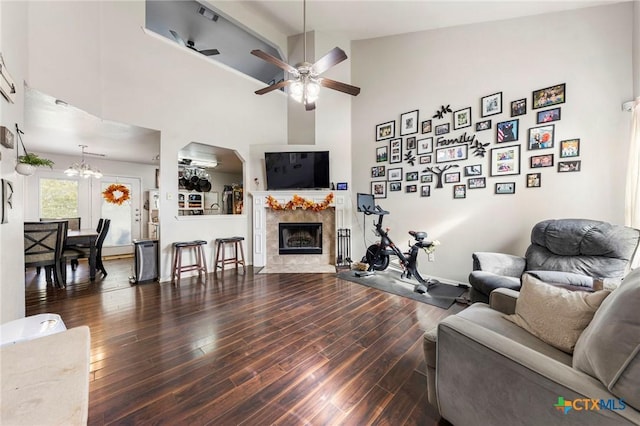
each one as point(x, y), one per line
point(378, 255)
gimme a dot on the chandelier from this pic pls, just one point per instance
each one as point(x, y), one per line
point(83, 169)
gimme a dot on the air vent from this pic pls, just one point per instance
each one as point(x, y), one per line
point(208, 14)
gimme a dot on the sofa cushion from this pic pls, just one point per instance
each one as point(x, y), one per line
point(486, 282)
point(555, 315)
point(609, 348)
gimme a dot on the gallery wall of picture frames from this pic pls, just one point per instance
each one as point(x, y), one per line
point(452, 148)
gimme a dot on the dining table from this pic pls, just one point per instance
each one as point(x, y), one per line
point(88, 238)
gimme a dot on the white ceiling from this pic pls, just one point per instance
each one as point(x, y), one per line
point(60, 129)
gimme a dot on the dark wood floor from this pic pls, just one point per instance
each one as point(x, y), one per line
point(251, 349)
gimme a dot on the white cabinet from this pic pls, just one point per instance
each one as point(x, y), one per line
point(190, 203)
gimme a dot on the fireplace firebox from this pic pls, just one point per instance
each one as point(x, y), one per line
point(300, 238)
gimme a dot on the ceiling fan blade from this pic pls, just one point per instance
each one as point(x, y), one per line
point(273, 87)
point(210, 52)
point(310, 106)
point(341, 87)
point(275, 61)
point(334, 57)
point(177, 37)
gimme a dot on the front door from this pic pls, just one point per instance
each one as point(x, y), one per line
point(124, 213)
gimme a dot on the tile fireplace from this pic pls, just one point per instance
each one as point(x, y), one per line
point(299, 238)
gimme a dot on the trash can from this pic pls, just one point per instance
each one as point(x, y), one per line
point(146, 261)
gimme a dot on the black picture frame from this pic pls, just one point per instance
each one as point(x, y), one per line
point(426, 126)
point(425, 146)
point(462, 118)
point(378, 171)
point(569, 166)
point(483, 125)
point(411, 188)
point(459, 191)
point(540, 161)
point(505, 161)
point(477, 182)
point(548, 115)
point(552, 95)
point(409, 123)
point(395, 151)
point(519, 107)
point(491, 104)
point(379, 188)
point(442, 129)
point(505, 188)
point(473, 170)
point(507, 131)
point(394, 174)
point(395, 186)
point(425, 190)
point(424, 159)
point(569, 148)
point(411, 143)
point(386, 130)
point(411, 176)
point(382, 154)
point(452, 153)
point(534, 180)
point(452, 177)
point(541, 137)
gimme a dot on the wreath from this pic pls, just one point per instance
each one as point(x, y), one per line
point(302, 203)
point(116, 194)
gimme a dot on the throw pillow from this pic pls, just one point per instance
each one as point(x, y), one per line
point(609, 348)
point(555, 315)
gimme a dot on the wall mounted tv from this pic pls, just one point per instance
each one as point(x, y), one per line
point(297, 170)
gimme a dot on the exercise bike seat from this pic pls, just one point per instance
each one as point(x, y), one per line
point(418, 235)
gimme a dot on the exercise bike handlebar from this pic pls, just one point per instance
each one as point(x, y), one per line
point(377, 210)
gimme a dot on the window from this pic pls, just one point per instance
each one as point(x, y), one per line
point(58, 198)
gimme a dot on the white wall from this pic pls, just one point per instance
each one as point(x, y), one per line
point(458, 66)
point(636, 49)
point(13, 44)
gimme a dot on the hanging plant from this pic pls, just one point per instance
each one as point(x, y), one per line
point(29, 161)
point(116, 194)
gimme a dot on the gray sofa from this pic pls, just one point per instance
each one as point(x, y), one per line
point(485, 370)
point(568, 252)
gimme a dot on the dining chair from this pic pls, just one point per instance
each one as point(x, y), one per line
point(74, 222)
point(43, 246)
point(83, 251)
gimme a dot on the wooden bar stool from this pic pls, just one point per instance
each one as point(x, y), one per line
point(196, 248)
point(220, 249)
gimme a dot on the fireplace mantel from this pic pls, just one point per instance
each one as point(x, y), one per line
point(260, 215)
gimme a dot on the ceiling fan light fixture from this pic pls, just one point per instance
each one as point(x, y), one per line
point(82, 169)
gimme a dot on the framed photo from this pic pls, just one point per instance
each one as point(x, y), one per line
point(425, 191)
point(385, 130)
point(409, 123)
point(548, 96)
point(426, 178)
point(538, 161)
point(462, 118)
point(541, 137)
point(379, 189)
point(548, 115)
point(411, 143)
point(473, 170)
point(459, 191)
point(395, 151)
point(426, 126)
point(478, 182)
point(505, 161)
point(377, 171)
point(425, 159)
point(569, 166)
point(411, 176)
point(442, 129)
point(425, 146)
point(395, 186)
point(569, 148)
point(382, 154)
point(453, 177)
point(505, 188)
point(507, 131)
point(491, 105)
point(394, 174)
point(483, 125)
point(411, 188)
point(452, 153)
point(519, 107)
point(534, 180)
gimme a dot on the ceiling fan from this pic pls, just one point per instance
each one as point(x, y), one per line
point(190, 44)
point(306, 81)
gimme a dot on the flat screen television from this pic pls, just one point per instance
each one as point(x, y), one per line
point(297, 170)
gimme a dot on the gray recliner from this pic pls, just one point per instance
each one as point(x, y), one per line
point(567, 252)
